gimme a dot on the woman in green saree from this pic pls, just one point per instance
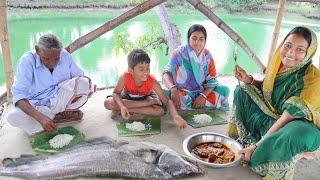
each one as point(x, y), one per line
point(278, 118)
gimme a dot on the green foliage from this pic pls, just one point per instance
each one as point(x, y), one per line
point(149, 40)
point(317, 3)
point(240, 5)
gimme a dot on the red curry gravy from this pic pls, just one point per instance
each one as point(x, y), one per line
point(213, 152)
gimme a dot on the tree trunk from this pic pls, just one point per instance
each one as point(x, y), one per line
point(6, 48)
point(171, 31)
point(277, 28)
point(140, 9)
point(224, 27)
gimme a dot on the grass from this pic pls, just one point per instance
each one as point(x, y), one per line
point(296, 7)
point(69, 1)
point(89, 13)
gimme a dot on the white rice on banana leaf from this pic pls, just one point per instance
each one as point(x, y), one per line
point(136, 126)
point(202, 118)
point(60, 140)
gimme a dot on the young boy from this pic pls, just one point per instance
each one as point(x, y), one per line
point(135, 91)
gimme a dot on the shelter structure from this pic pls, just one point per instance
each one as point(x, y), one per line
point(139, 9)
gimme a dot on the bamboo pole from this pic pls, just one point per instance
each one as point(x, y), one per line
point(6, 48)
point(277, 28)
point(140, 9)
point(227, 29)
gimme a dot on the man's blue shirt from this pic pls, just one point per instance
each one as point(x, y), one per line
point(36, 83)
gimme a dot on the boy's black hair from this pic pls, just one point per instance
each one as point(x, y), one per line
point(137, 56)
point(302, 31)
point(197, 27)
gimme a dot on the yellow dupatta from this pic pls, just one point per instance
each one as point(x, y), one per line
point(309, 97)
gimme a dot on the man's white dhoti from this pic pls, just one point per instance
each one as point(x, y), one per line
point(72, 94)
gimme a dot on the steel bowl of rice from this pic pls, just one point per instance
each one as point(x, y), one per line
point(213, 149)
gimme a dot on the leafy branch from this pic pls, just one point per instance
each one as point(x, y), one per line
point(148, 41)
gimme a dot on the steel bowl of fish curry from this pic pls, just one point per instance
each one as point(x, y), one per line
point(213, 149)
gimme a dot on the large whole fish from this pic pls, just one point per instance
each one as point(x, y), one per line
point(104, 157)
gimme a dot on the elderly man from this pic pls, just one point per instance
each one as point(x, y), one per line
point(48, 89)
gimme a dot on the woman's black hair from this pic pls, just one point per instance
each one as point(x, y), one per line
point(302, 31)
point(197, 27)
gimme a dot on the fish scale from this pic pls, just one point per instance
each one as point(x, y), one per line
point(104, 157)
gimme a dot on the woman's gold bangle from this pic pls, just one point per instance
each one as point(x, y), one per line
point(203, 95)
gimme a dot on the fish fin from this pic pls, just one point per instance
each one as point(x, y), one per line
point(23, 159)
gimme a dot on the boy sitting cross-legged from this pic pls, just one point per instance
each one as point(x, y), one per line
point(137, 91)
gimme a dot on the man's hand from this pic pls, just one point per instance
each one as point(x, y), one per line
point(93, 90)
point(44, 120)
point(48, 124)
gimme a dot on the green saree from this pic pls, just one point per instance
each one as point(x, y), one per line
point(255, 111)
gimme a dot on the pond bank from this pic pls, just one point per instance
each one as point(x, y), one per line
point(303, 9)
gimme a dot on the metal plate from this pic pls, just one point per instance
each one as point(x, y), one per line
point(195, 139)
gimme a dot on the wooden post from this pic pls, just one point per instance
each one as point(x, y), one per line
point(6, 48)
point(276, 28)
